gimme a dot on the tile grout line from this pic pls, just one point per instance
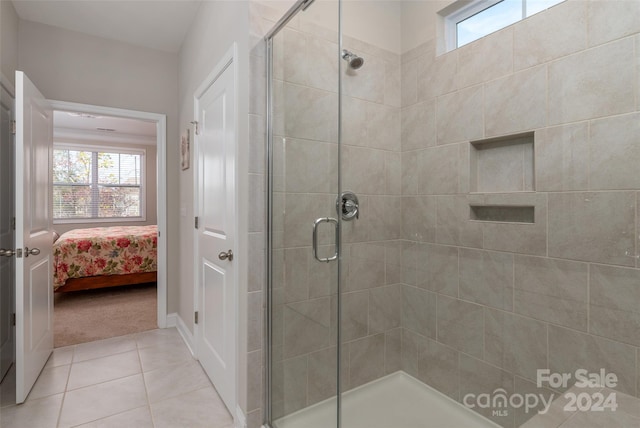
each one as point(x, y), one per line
point(638, 372)
point(548, 349)
point(110, 380)
point(137, 350)
point(589, 298)
point(103, 381)
point(146, 392)
point(66, 385)
point(636, 238)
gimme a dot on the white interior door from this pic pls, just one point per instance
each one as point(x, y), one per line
point(6, 231)
point(215, 157)
point(34, 239)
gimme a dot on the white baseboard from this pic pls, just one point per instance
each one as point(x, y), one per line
point(172, 320)
point(240, 419)
point(187, 336)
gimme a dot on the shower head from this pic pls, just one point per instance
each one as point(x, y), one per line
point(354, 61)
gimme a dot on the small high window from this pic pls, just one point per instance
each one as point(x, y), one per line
point(97, 184)
point(466, 21)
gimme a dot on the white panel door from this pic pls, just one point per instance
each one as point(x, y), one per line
point(34, 239)
point(6, 231)
point(215, 157)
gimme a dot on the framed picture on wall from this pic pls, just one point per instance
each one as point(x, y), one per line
point(185, 151)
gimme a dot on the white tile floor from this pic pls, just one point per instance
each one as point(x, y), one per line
point(141, 380)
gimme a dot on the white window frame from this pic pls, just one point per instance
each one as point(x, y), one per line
point(460, 10)
point(109, 149)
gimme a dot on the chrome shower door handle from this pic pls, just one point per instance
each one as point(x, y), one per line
point(315, 239)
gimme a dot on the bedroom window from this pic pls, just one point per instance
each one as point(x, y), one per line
point(466, 21)
point(97, 184)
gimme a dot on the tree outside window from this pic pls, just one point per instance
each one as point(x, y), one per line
point(97, 184)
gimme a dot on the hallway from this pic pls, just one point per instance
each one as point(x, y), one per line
point(141, 380)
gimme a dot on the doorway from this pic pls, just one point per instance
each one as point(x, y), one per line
point(128, 119)
point(7, 266)
point(216, 230)
point(22, 385)
point(104, 189)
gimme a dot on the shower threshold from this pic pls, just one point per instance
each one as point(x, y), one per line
point(394, 401)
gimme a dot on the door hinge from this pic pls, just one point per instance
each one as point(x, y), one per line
point(13, 319)
point(197, 222)
point(195, 123)
point(195, 317)
point(13, 127)
point(13, 223)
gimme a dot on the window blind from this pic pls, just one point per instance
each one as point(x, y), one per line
point(96, 184)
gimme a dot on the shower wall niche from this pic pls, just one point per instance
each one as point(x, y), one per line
point(503, 164)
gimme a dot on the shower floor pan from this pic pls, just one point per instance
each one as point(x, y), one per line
point(394, 401)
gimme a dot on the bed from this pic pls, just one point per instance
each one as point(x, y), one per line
point(105, 257)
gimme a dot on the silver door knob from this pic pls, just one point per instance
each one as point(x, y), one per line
point(224, 256)
point(7, 253)
point(31, 252)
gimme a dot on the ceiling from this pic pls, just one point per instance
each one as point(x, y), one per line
point(92, 128)
point(155, 24)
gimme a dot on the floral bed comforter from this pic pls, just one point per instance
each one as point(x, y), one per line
point(105, 251)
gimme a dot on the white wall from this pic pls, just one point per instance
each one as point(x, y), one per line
point(151, 186)
point(218, 24)
point(420, 21)
point(375, 22)
point(75, 67)
point(8, 40)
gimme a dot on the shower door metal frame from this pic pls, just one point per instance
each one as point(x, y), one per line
point(300, 5)
point(268, 339)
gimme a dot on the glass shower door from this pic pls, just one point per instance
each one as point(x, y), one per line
point(303, 241)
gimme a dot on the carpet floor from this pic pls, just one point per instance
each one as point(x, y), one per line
point(85, 316)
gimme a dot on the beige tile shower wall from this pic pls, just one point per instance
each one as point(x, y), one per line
point(305, 183)
point(371, 167)
point(486, 304)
